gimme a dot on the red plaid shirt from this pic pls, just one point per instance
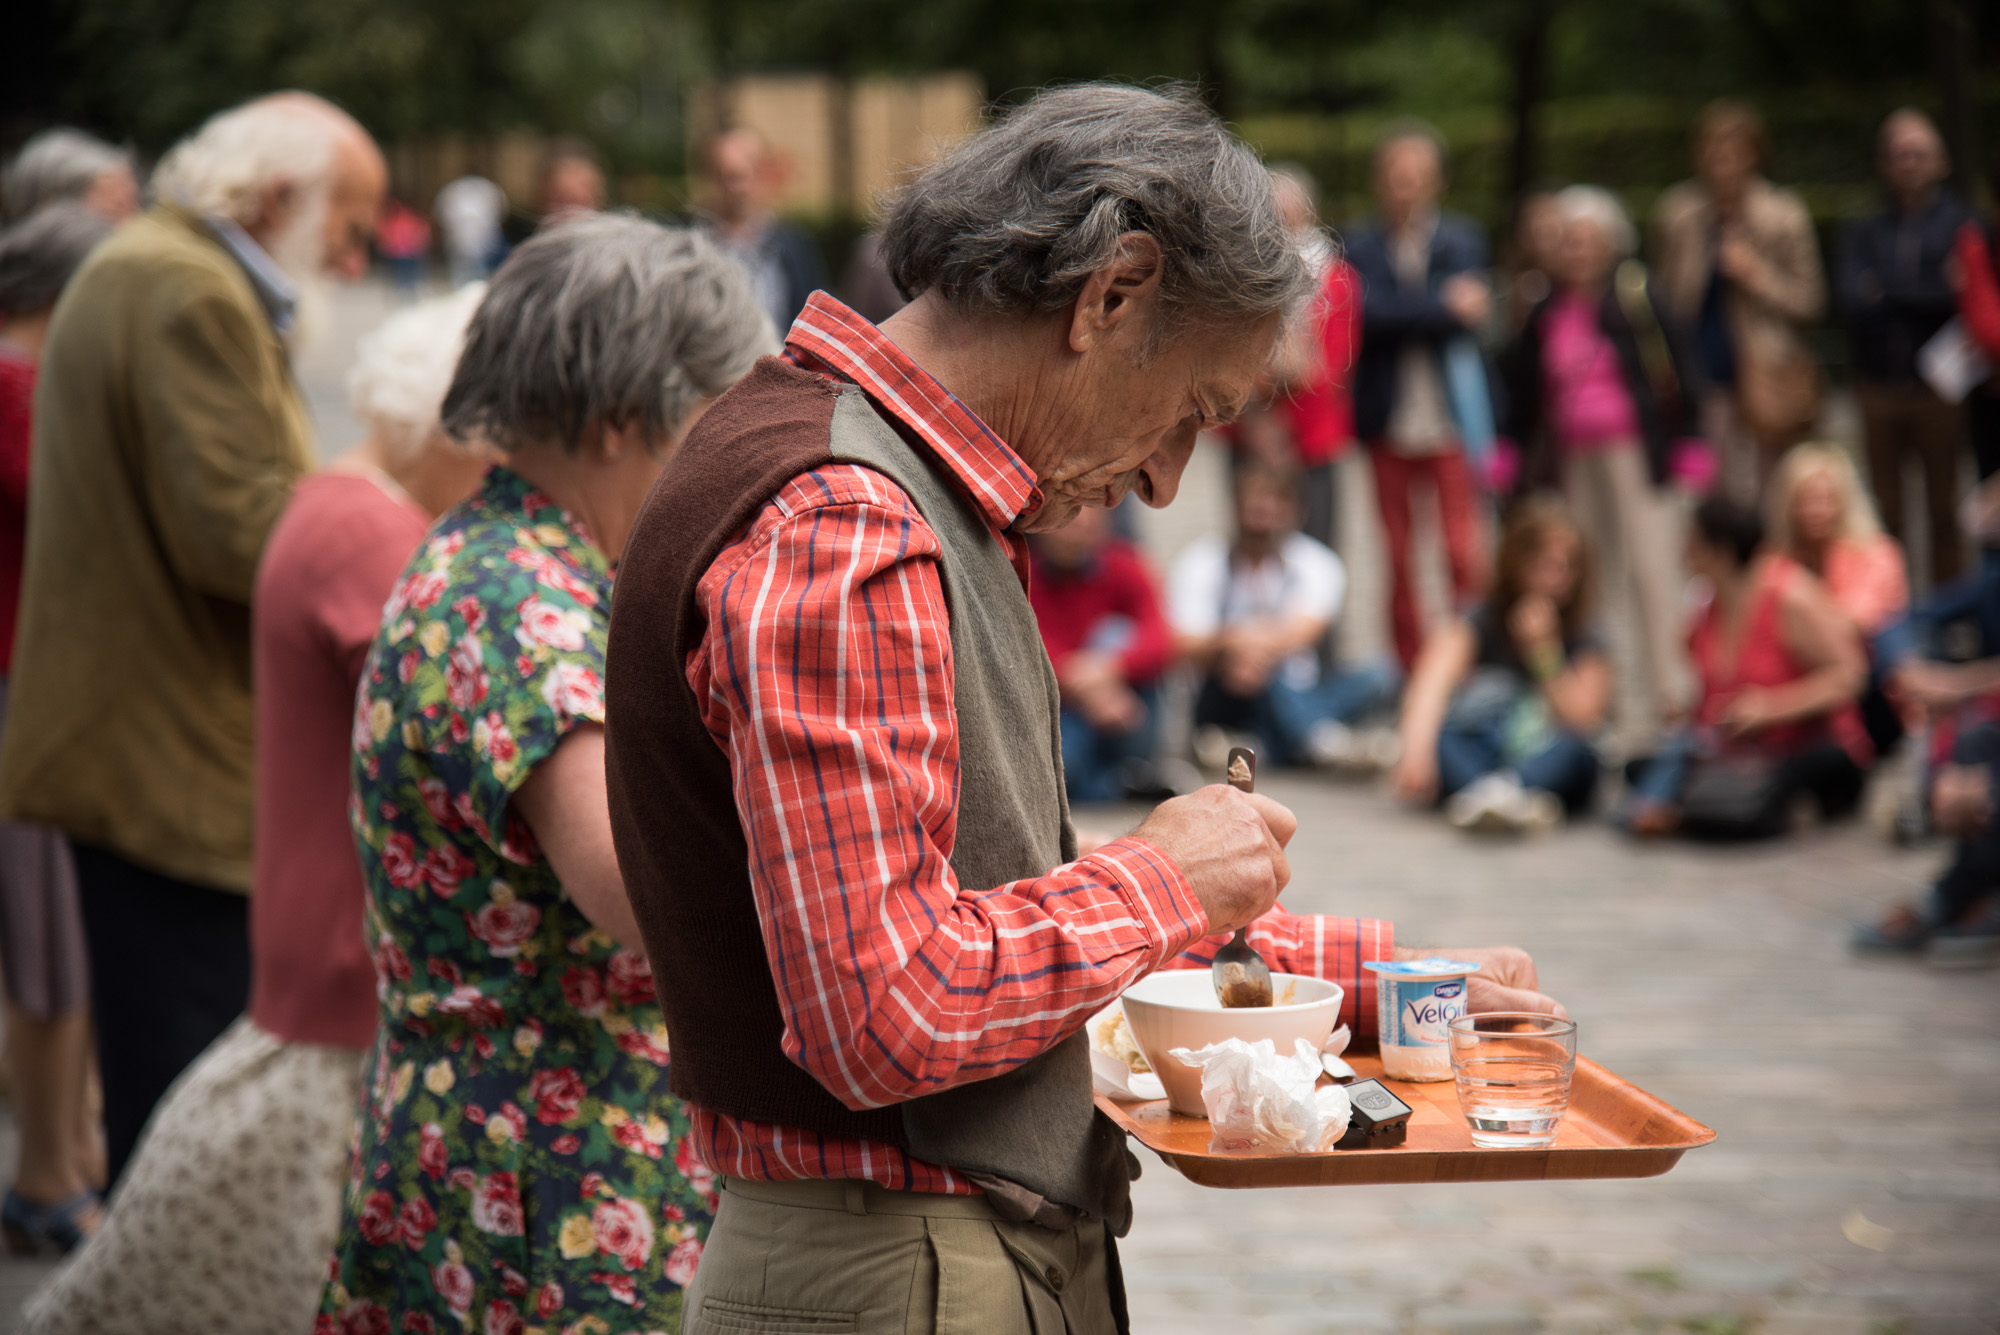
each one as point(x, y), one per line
point(826, 676)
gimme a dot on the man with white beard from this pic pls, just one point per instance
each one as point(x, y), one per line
point(168, 434)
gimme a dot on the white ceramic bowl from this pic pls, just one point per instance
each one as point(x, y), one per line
point(1176, 1008)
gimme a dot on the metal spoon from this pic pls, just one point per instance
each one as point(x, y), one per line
point(1241, 977)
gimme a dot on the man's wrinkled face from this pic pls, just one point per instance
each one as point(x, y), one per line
point(1134, 417)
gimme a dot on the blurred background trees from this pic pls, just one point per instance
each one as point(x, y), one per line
point(1525, 89)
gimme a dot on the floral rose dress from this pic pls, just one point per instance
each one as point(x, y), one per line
point(520, 1165)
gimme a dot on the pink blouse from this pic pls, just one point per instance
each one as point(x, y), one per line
point(1589, 406)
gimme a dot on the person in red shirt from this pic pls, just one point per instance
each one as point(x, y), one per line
point(1307, 423)
point(1098, 607)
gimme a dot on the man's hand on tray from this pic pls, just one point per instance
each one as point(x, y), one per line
point(1506, 983)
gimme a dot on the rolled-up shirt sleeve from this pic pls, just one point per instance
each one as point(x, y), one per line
point(825, 674)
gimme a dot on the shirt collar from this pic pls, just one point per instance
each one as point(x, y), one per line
point(849, 347)
point(274, 287)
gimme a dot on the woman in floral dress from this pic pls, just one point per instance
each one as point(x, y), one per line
point(520, 1163)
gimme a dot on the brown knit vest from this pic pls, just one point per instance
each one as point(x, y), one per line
point(683, 853)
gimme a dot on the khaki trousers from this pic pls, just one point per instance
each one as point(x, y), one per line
point(1633, 531)
point(834, 1258)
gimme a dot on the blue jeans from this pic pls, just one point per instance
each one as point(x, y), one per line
point(1094, 760)
point(1283, 717)
point(1566, 767)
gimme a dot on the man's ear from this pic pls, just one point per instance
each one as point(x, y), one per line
point(277, 202)
point(1117, 293)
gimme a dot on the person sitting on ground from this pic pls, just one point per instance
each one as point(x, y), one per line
point(246, 1155)
point(1781, 669)
point(539, 1162)
point(1820, 516)
point(1961, 701)
point(59, 1162)
point(1098, 608)
point(1595, 391)
point(1250, 615)
point(1500, 713)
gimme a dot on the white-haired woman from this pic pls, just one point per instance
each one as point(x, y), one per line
point(225, 1217)
point(520, 1160)
point(1597, 403)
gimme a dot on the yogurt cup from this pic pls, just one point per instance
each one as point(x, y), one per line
point(1416, 1002)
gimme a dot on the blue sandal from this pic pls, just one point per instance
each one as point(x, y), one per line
point(60, 1228)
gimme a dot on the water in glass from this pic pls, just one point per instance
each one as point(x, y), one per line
point(1512, 1101)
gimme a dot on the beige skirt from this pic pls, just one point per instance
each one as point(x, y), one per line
point(226, 1215)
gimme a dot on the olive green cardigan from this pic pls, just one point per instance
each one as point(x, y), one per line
point(168, 434)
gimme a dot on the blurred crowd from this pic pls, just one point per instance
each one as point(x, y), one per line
point(1664, 597)
point(1665, 594)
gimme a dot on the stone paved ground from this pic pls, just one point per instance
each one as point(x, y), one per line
point(1855, 1185)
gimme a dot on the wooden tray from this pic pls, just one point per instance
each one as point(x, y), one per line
point(1613, 1129)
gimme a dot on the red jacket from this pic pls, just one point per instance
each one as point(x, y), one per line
point(1979, 299)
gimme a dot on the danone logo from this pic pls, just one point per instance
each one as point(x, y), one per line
point(1431, 1013)
point(1446, 991)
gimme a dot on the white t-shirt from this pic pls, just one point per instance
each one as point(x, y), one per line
point(1208, 591)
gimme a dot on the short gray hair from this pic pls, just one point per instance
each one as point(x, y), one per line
point(39, 253)
point(59, 164)
point(604, 319)
point(1016, 219)
point(1592, 204)
point(403, 367)
point(224, 166)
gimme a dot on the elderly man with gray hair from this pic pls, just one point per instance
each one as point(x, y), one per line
point(168, 435)
point(834, 766)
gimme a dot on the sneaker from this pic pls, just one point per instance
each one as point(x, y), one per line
point(1902, 932)
point(1498, 804)
point(1334, 745)
point(1973, 942)
point(1482, 805)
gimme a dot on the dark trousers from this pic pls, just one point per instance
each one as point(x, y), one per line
point(169, 971)
point(1974, 872)
point(1905, 422)
point(1982, 423)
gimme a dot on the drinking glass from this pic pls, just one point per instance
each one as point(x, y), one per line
point(1513, 1070)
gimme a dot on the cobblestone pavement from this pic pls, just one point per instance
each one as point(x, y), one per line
point(1855, 1182)
point(1855, 1185)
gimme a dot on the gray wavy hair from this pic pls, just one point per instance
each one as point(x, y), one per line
point(603, 319)
point(1014, 220)
point(1593, 204)
point(39, 253)
point(59, 164)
